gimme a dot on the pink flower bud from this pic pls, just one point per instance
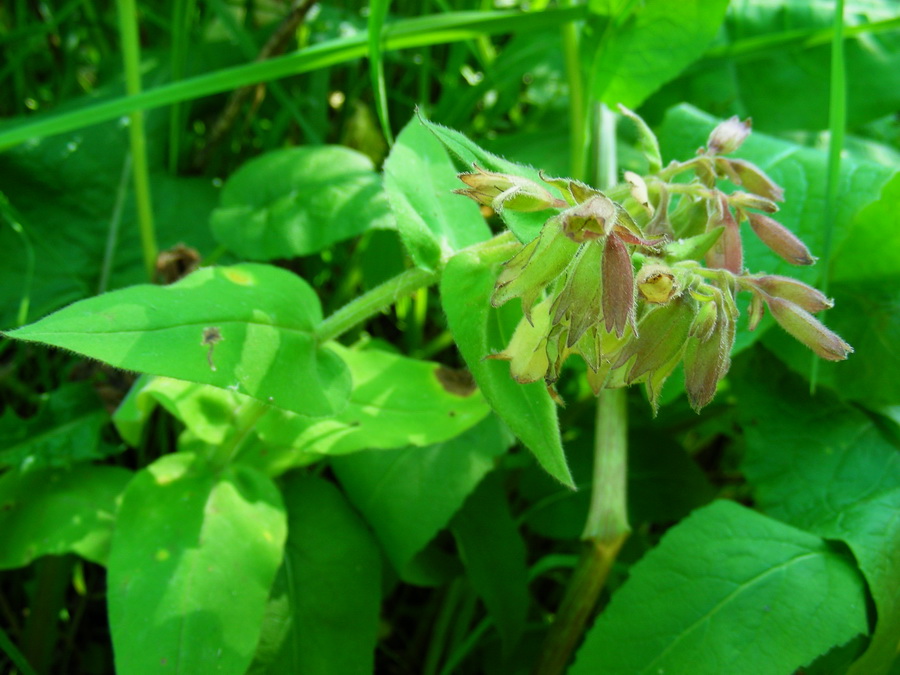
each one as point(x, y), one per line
point(780, 240)
point(728, 136)
point(807, 329)
point(786, 288)
point(706, 362)
point(727, 253)
point(618, 286)
point(745, 200)
point(755, 180)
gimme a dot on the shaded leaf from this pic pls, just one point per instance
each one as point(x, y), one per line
point(494, 555)
point(65, 430)
point(191, 563)
point(298, 201)
point(850, 475)
point(57, 511)
point(409, 495)
point(323, 611)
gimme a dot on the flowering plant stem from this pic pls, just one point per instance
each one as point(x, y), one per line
point(607, 523)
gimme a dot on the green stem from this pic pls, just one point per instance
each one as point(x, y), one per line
point(373, 302)
point(245, 420)
point(128, 31)
point(577, 105)
point(837, 123)
point(608, 515)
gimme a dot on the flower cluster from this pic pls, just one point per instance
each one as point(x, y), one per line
point(635, 291)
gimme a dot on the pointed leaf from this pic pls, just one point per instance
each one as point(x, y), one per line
point(480, 330)
point(765, 598)
point(420, 180)
point(249, 328)
point(409, 495)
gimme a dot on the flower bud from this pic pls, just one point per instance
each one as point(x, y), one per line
point(786, 288)
point(579, 300)
point(618, 286)
point(728, 136)
point(589, 220)
point(756, 312)
point(659, 225)
point(705, 321)
point(745, 200)
point(780, 240)
point(527, 273)
point(500, 190)
point(727, 253)
point(661, 335)
point(706, 362)
point(754, 180)
point(807, 329)
point(527, 350)
point(656, 283)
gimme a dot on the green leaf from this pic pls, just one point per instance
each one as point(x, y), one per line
point(525, 226)
point(727, 591)
point(56, 511)
point(638, 47)
point(65, 430)
point(773, 60)
point(298, 201)
point(494, 555)
point(192, 559)
point(866, 291)
point(395, 402)
point(66, 191)
point(850, 478)
point(480, 330)
point(248, 328)
point(433, 222)
point(409, 495)
point(323, 610)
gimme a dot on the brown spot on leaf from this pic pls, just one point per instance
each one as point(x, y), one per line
point(457, 382)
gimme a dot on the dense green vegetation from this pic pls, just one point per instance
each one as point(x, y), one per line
point(278, 398)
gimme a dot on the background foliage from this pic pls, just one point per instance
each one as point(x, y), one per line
point(387, 515)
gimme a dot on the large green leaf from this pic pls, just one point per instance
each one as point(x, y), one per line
point(248, 328)
point(636, 47)
point(433, 222)
point(323, 611)
point(866, 291)
point(525, 226)
point(57, 511)
point(65, 430)
point(192, 559)
point(494, 555)
point(67, 190)
point(298, 201)
point(823, 465)
point(480, 330)
point(409, 495)
point(727, 591)
point(764, 64)
point(395, 402)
